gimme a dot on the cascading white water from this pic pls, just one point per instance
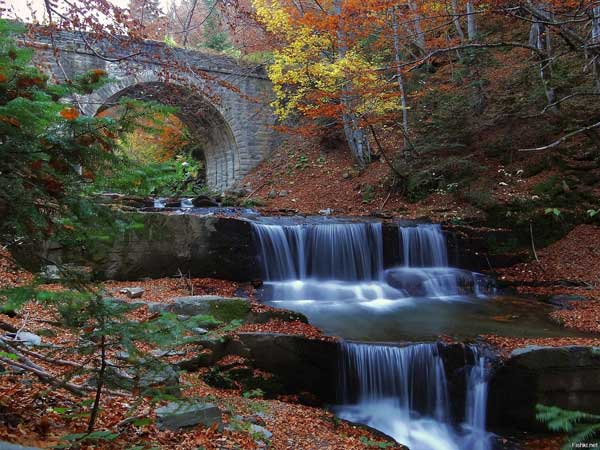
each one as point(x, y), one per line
point(325, 251)
point(159, 202)
point(403, 392)
point(186, 203)
point(423, 245)
point(335, 269)
point(343, 261)
point(324, 261)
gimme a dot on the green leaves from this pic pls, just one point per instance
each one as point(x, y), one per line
point(10, 356)
point(553, 211)
point(582, 426)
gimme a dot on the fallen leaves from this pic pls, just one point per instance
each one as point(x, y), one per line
point(278, 326)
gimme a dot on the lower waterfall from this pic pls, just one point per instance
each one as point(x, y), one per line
point(403, 392)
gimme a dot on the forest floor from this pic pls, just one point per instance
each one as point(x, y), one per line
point(33, 413)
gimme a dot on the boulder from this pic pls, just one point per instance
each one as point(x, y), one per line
point(567, 377)
point(259, 432)
point(50, 273)
point(177, 415)
point(26, 338)
point(141, 376)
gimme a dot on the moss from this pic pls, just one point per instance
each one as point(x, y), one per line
point(229, 309)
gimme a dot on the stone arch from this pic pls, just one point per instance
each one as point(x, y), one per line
point(210, 125)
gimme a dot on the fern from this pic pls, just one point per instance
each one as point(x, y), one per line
point(582, 426)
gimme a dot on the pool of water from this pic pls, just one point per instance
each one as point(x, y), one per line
point(420, 319)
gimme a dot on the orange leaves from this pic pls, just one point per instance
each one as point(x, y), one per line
point(2, 78)
point(69, 113)
point(11, 121)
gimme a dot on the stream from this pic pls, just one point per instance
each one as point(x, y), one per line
point(332, 270)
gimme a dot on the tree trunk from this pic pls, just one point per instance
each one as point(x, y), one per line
point(456, 20)
point(595, 42)
point(188, 23)
point(417, 25)
point(398, 59)
point(355, 135)
point(540, 39)
point(471, 23)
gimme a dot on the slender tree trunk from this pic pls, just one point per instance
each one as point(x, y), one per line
point(355, 135)
point(456, 20)
point(539, 37)
point(398, 59)
point(417, 26)
point(595, 42)
point(188, 23)
point(471, 23)
point(100, 381)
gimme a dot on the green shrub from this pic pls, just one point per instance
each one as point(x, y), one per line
point(175, 177)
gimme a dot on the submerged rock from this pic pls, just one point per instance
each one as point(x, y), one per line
point(177, 415)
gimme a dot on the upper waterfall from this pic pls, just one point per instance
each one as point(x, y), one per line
point(325, 251)
point(423, 245)
point(336, 260)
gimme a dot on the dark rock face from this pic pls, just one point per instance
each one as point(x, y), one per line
point(301, 364)
point(567, 377)
point(204, 246)
point(204, 201)
point(477, 249)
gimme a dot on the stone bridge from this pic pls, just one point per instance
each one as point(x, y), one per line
point(224, 104)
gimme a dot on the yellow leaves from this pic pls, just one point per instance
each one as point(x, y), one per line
point(69, 113)
point(309, 76)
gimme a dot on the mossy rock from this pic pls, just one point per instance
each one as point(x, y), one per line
point(221, 308)
point(229, 309)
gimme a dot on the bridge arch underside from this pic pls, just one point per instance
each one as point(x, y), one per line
point(209, 130)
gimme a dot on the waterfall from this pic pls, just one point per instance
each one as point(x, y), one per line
point(343, 262)
point(423, 246)
point(338, 251)
point(425, 272)
point(403, 392)
point(323, 262)
point(186, 203)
